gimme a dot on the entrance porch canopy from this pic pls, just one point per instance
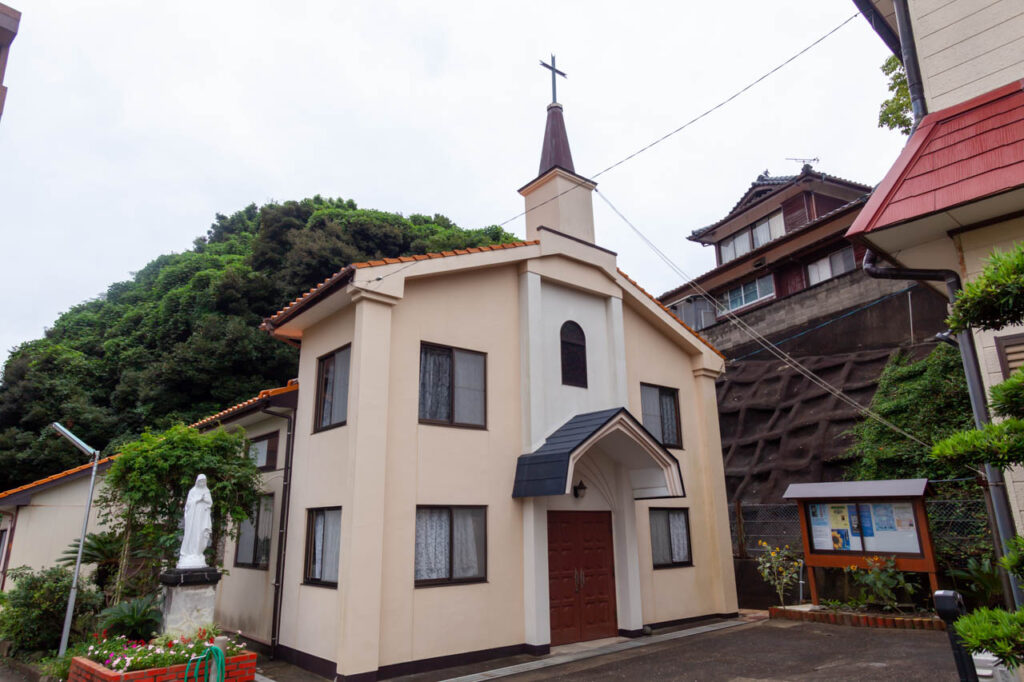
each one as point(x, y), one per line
point(616, 434)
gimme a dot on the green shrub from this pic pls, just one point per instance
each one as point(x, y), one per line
point(136, 619)
point(880, 583)
point(995, 298)
point(780, 568)
point(994, 630)
point(979, 581)
point(1007, 398)
point(1001, 445)
point(33, 615)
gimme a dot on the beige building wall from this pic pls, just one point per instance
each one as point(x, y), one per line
point(245, 595)
point(49, 523)
point(967, 47)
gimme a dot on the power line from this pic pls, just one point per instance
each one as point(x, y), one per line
point(774, 350)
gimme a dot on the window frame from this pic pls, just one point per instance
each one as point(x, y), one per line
point(319, 395)
point(725, 297)
point(451, 395)
point(307, 561)
point(438, 582)
point(689, 538)
point(1003, 343)
point(273, 437)
point(256, 525)
point(675, 399)
point(572, 381)
point(826, 261)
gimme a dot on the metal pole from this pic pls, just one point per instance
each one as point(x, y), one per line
point(85, 526)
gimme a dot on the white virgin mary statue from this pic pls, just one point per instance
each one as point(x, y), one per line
point(198, 526)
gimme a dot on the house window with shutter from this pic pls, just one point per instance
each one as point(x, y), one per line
point(574, 355)
point(1011, 353)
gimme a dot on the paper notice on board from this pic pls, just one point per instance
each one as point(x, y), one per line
point(903, 513)
point(867, 528)
point(838, 517)
point(884, 518)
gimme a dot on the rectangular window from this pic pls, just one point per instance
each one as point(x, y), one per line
point(453, 386)
point(323, 546)
point(263, 451)
point(253, 548)
point(670, 538)
point(777, 225)
point(727, 250)
point(751, 292)
point(842, 261)
point(451, 545)
point(332, 389)
point(742, 242)
point(3, 546)
point(660, 408)
point(762, 233)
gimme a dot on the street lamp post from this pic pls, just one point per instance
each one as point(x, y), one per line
point(95, 454)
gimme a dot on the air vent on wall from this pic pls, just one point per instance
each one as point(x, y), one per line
point(759, 263)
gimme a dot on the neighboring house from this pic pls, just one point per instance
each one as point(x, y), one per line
point(495, 450)
point(9, 20)
point(956, 192)
point(785, 268)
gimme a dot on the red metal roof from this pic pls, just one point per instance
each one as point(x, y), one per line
point(969, 151)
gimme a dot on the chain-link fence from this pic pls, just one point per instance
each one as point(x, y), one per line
point(957, 526)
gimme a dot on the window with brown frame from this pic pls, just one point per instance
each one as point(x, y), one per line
point(451, 545)
point(453, 386)
point(660, 408)
point(263, 451)
point(253, 547)
point(574, 355)
point(670, 538)
point(323, 546)
point(332, 389)
point(1010, 350)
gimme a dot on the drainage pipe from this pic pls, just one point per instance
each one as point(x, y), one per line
point(996, 488)
point(910, 63)
point(282, 531)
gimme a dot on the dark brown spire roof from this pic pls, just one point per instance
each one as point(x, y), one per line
point(556, 143)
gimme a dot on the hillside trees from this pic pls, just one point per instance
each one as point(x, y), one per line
point(180, 339)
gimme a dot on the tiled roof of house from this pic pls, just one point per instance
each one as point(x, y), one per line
point(344, 275)
point(293, 385)
point(768, 185)
point(56, 477)
point(957, 155)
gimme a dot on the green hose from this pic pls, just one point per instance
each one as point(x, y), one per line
point(217, 657)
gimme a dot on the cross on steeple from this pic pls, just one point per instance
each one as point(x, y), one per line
point(554, 72)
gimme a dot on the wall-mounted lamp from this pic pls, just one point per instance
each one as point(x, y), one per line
point(579, 490)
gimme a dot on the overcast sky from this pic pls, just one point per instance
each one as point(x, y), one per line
point(129, 124)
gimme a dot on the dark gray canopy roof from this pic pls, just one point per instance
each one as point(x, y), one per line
point(848, 490)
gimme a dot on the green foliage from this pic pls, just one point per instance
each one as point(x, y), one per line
point(1001, 445)
point(927, 398)
point(995, 298)
point(896, 113)
point(180, 340)
point(33, 613)
point(1013, 559)
point(780, 568)
point(102, 550)
point(136, 619)
point(979, 580)
point(995, 630)
point(881, 584)
point(147, 485)
point(1007, 398)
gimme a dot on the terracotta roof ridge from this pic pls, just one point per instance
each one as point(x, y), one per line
point(57, 476)
point(671, 314)
point(292, 385)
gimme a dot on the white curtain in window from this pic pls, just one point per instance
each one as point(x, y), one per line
point(818, 271)
point(650, 406)
point(469, 538)
point(339, 397)
point(727, 250)
point(435, 383)
point(316, 565)
point(327, 390)
point(432, 537)
point(679, 536)
point(661, 548)
point(264, 529)
point(331, 545)
point(669, 430)
point(742, 242)
point(842, 261)
point(761, 233)
point(469, 388)
point(258, 452)
point(246, 542)
point(777, 224)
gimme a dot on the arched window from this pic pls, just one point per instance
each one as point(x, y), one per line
point(574, 355)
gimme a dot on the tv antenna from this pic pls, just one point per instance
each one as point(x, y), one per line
point(804, 161)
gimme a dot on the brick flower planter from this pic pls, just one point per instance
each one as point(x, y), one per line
point(241, 668)
point(863, 620)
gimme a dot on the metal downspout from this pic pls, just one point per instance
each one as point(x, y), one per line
point(282, 532)
point(996, 489)
point(910, 64)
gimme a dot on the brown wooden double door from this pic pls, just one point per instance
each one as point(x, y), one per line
point(581, 576)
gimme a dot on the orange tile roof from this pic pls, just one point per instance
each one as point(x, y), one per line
point(55, 477)
point(293, 385)
point(317, 291)
point(674, 316)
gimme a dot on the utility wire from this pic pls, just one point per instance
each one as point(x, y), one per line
point(774, 350)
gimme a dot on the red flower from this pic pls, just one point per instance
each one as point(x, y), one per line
point(170, 644)
point(104, 634)
point(211, 639)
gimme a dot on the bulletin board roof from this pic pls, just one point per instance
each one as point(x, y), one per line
point(853, 490)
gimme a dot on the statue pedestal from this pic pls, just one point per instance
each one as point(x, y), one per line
point(189, 598)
